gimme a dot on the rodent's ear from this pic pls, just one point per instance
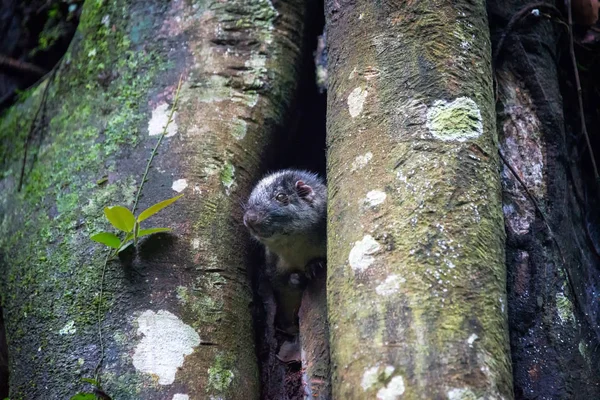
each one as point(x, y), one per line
point(304, 190)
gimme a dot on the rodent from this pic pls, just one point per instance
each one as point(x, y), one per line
point(287, 213)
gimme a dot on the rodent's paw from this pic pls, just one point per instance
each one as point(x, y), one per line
point(315, 268)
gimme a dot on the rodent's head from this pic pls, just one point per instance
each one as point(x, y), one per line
point(286, 202)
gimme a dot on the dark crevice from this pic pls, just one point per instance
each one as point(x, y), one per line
point(36, 34)
point(299, 145)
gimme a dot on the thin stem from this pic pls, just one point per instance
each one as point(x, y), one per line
point(99, 317)
point(155, 149)
point(579, 91)
point(110, 253)
point(33, 123)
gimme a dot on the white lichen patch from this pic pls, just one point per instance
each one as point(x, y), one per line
point(239, 129)
point(361, 255)
point(179, 185)
point(68, 329)
point(361, 161)
point(356, 101)
point(211, 169)
point(352, 73)
point(159, 119)
point(180, 396)
point(195, 243)
point(256, 61)
point(256, 74)
point(461, 394)
point(393, 391)
point(375, 197)
point(458, 120)
point(165, 343)
point(390, 286)
point(472, 339)
point(388, 371)
point(376, 374)
point(370, 378)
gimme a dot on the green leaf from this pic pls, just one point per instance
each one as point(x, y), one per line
point(84, 396)
point(90, 381)
point(120, 217)
point(144, 232)
point(107, 238)
point(156, 208)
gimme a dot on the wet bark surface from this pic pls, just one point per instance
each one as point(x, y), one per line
point(314, 340)
point(551, 259)
point(3, 357)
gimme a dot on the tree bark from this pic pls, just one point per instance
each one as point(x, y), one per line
point(416, 274)
point(174, 314)
point(551, 266)
point(314, 340)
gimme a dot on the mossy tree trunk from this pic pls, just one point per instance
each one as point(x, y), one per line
point(552, 264)
point(416, 274)
point(175, 315)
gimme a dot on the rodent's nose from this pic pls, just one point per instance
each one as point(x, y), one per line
point(250, 218)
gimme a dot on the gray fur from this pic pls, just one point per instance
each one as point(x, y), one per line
point(293, 232)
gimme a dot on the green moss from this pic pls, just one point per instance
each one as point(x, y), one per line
point(227, 176)
point(220, 374)
point(564, 308)
point(202, 301)
point(182, 294)
point(459, 120)
point(92, 120)
point(126, 386)
point(250, 14)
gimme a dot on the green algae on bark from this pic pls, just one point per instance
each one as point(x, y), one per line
point(90, 153)
point(416, 276)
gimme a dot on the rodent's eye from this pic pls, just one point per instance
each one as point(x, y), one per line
point(282, 198)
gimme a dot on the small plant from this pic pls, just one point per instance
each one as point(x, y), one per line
point(98, 393)
point(124, 220)
point(121, 218)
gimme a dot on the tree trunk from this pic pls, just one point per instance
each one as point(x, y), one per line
point(416, 274)
point(552, 268)
point(175, 313)
point(314, 338)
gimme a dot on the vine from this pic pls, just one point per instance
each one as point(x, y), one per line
point(125, 221)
